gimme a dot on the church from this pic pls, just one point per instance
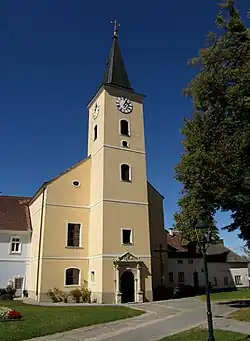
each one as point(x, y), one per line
point(101, 220)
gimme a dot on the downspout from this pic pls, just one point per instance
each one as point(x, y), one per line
point(39, 246)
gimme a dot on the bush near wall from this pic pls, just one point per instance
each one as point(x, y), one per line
point(7, 294)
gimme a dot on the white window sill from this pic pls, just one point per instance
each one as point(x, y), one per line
point(74, 247)
point(72, 286)
point(15, 253)
point(127, 244)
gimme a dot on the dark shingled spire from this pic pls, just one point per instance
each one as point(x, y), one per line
point(115, 73)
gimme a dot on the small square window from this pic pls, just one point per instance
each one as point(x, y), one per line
point(190, 261)
point(126, 236)
point(15, 245)
point(180, 261)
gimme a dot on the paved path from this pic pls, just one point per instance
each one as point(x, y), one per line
point(232, 325)
point(161, 319)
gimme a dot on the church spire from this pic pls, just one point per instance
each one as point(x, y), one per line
point(115, 73)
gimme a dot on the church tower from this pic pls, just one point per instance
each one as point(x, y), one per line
point(119, 242)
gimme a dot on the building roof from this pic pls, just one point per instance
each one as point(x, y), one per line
point(115, 72)
point(174, 241)
point(215, 252)
point(14, 213)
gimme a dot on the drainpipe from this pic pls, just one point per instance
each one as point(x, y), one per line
point(39, 246)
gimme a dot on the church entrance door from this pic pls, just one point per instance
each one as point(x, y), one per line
point(127, 287)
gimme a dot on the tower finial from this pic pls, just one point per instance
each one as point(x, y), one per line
point(116, 25)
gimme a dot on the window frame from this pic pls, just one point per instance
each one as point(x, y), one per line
point(180, 261)
point(129, 174)
point(131, 236)
point(65, 277)
point(126, 142)
point(90, 276)
point(181, 282)
point(18, 278)
point(80, 235)
point(120, 130)
point(19, 252)
point(171, 278)
point(226, 282)
point(238, 282)
point(95, 133)
point(190, 261)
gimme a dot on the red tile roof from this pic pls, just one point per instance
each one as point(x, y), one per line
point(175, 241)
point(14, 213)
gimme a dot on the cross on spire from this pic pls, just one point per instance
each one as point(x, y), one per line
point(116, 25)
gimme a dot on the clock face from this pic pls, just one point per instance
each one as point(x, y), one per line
point(124, 105)
point(96, 109)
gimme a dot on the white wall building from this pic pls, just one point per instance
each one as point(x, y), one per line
point(226, 269)
point(14, 242)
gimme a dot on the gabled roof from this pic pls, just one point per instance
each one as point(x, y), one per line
point(115, 72)
point(45, 184)
point(14, 213)
point(174, 241)
point(218, 252)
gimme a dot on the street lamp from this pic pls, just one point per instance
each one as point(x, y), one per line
point(206, 240)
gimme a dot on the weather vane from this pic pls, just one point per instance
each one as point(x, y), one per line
point(116, 25)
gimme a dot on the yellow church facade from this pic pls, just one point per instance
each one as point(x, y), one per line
point(101, 220)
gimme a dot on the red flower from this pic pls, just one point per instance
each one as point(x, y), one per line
point(13, 314)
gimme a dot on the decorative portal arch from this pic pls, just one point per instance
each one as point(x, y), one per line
point(128, 279)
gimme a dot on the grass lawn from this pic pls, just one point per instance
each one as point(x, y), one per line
point(40, 321)
point(241, 315)
point(242, 294)
point(201, 335)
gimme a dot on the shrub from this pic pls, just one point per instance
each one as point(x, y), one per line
point(85, 292)
point(76, 294)
point(55, 295)
point(7, 294)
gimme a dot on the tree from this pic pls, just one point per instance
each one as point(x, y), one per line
point(215, 165)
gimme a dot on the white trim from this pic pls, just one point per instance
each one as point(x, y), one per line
point(101, 256)
point(76, 186)
point(19, 252)
point(13, 233)
point(126, 142)
point(17, 260)
point(116, 147)
point(98, 202)
point(129, 174)
point(131, 236)
point(79, 279)
point(129, 128)
point(80, 236)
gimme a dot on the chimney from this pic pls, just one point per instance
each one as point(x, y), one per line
point(171, 232)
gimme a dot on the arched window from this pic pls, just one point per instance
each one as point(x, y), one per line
point(124, 127)
point(95, 132)
point(125, 172)
point(72, 276)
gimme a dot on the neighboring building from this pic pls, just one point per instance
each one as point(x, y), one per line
point(226, 269)
point(14, 242)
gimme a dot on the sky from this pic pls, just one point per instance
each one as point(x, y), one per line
point(52, 59)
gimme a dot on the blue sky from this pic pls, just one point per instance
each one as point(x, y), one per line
point(53, 54)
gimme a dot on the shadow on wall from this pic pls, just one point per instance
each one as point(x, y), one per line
point(145, 273)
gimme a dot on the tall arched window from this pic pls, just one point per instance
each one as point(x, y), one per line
point(72, 276)
point(95, 132)
point(124, 127)
point(125, 172)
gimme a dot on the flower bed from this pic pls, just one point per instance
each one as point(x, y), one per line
point(7, 314)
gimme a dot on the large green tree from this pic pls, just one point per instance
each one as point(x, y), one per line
point(215, 166)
